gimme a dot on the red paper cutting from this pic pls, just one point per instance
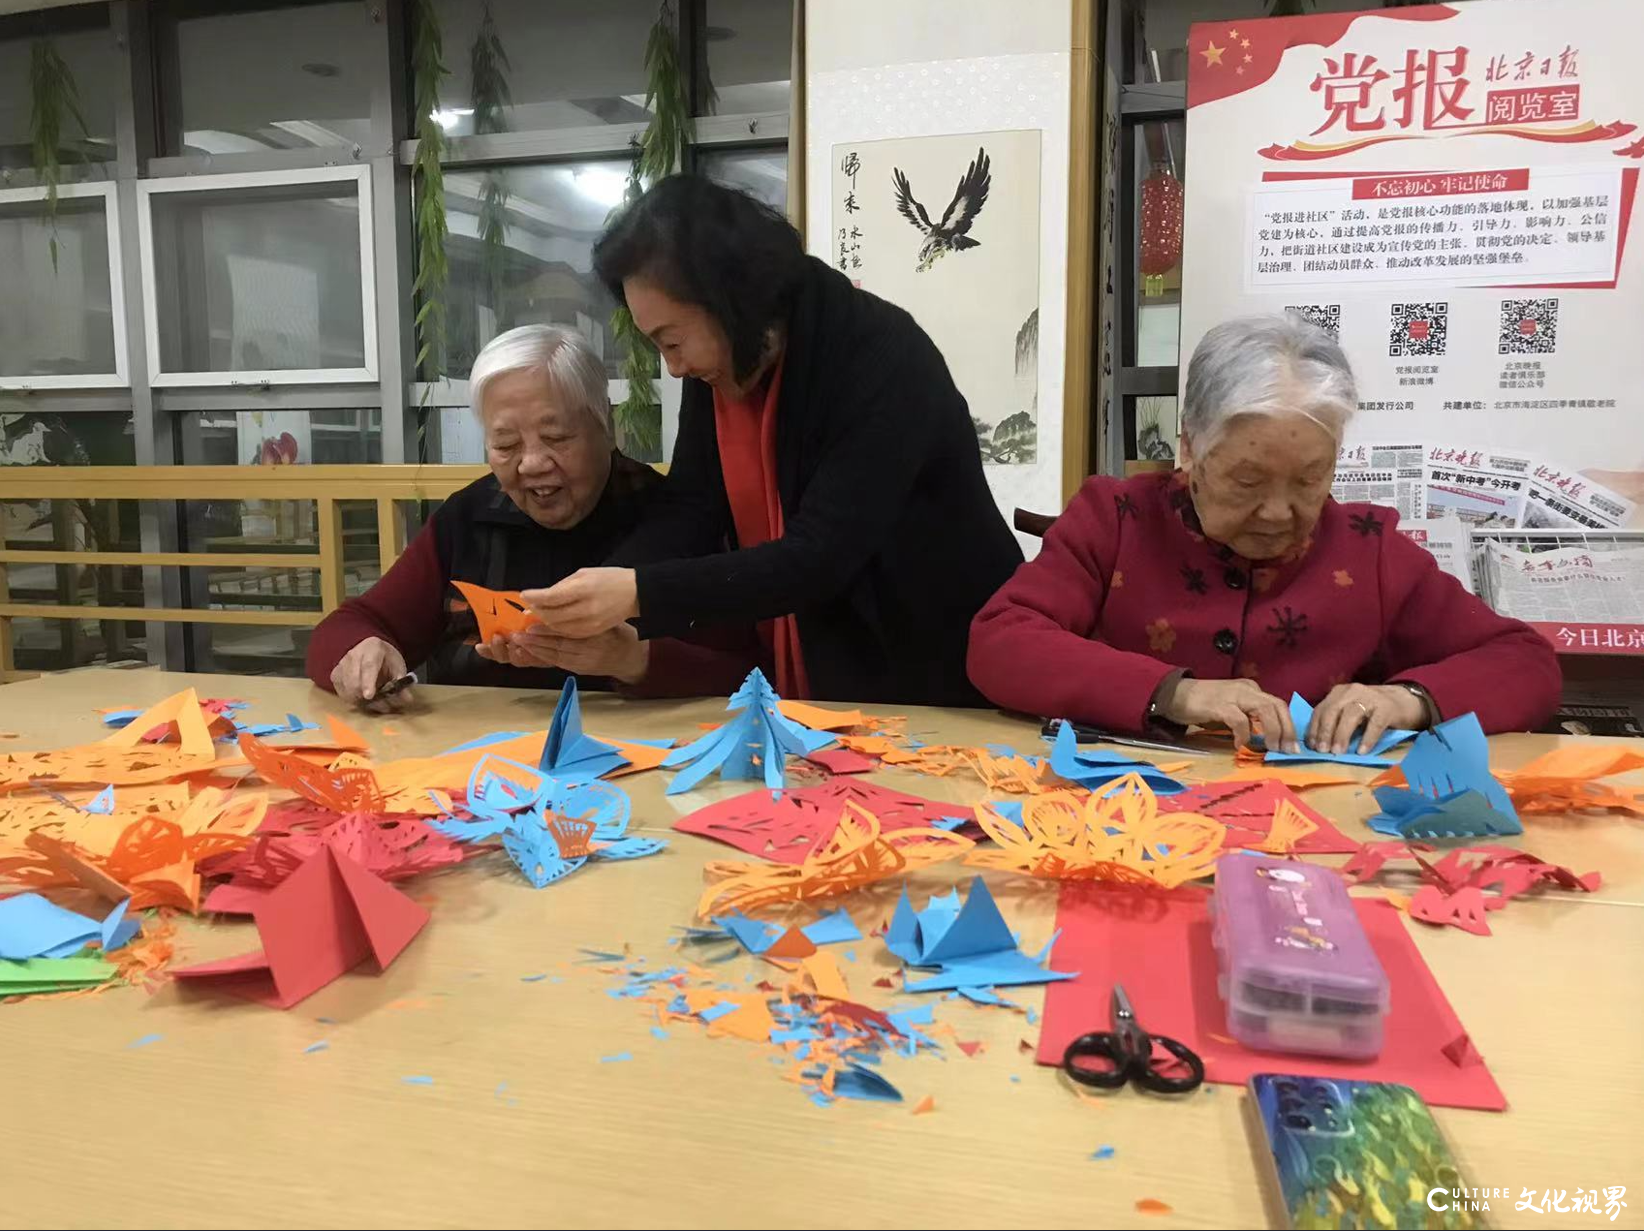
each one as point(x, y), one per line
point(1463, 909)
point(1247, 808)
point(1158, 945)
point(392, 847)
point(843, 761)
point(328, 917)
point(796, 824)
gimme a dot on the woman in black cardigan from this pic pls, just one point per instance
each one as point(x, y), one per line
point(820, 432)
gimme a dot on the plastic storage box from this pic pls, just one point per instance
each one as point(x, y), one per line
point(1296, 971)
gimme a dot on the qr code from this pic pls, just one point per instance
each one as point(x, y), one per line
point(1327, 316)
point(1418, 329)
point(1528, 327)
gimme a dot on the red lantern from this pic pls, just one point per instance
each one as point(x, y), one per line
point(1161, 238)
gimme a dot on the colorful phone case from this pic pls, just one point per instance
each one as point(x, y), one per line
point(1357, 1154)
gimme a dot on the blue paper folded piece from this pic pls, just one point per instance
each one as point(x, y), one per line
point(103, 803)
point(1451, 792)
point(1301, 717)
point(755, 744)
point(857, 1082)
point(567, 753)
point(550, 827)
point(971, 946)
point(32, 926)
point(1095, 768)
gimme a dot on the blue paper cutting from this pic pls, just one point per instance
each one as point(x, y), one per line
point(832, 929)
point(1451, 792)
point(971, 946)
point(32, 926)
point(1097, 767)
point(754, 744)
point(549, 827)
point(103, 803)
point(863, 1083)
point(1301, 717)
point(567, 753)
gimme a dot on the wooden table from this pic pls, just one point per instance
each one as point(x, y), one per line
point(226, 1121)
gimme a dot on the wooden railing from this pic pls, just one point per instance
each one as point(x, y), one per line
point(328, 487)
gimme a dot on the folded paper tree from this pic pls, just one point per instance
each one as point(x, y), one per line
point(755, 743)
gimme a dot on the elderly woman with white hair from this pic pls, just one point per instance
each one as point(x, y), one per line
point(559, 498)
point(1209, 595)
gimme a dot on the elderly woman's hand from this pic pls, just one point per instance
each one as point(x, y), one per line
point(1236, 704)
point(364, 669)
point(588, 602)
point(617, 653)
point(1374, 707)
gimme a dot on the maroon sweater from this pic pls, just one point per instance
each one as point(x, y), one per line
point(1128, 590)
point(480, 535)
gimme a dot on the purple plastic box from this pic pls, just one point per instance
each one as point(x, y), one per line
point(1297, 973)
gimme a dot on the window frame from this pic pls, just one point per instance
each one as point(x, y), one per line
point(120, 378)
point(148, 189)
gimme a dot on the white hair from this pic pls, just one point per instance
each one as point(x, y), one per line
point(575, 375)
point(1266, 365)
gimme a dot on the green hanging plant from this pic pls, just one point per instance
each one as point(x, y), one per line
point(55, 98)
point(428, 176)
point(487, 71)
point(657, 153)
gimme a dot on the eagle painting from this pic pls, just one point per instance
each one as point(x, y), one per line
point(952, 234)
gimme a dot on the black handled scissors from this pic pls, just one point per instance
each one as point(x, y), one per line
point(1110, 1058)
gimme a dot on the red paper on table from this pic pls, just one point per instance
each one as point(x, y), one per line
point(327, 918)
point(796, 824)
point(1157, 943)
point(843, 761)
point(390, 846)
point(1247, 808)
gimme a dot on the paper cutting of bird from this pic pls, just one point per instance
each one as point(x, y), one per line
point(952, 234)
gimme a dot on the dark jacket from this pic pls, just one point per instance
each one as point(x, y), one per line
point(479, 535)
point(892, 541)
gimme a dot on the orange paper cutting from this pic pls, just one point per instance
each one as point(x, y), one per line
point(341, 790)
point(824, 972)
point(1120, 836)
point(858, 854)
point(1289, 827)
point(820, 719)
point(497, 612)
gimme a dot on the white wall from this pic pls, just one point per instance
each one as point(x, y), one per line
point(877, 69)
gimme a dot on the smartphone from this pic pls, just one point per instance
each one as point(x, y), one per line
point(1353, 1154)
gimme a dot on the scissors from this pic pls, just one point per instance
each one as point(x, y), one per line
point(1108, 1059)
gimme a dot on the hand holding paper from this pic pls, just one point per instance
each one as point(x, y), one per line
point(588, 602)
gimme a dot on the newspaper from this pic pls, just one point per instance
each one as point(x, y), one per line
point(1483, 487)
point(1568, 585)
point(1386, 474)
point(1449, 542)
point(1562, 500)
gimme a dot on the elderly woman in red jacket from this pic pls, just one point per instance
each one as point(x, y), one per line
point(1209, 595)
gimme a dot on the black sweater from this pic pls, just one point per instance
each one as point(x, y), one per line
point(892, 541)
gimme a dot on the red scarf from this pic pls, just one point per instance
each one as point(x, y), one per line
point(747, 459)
